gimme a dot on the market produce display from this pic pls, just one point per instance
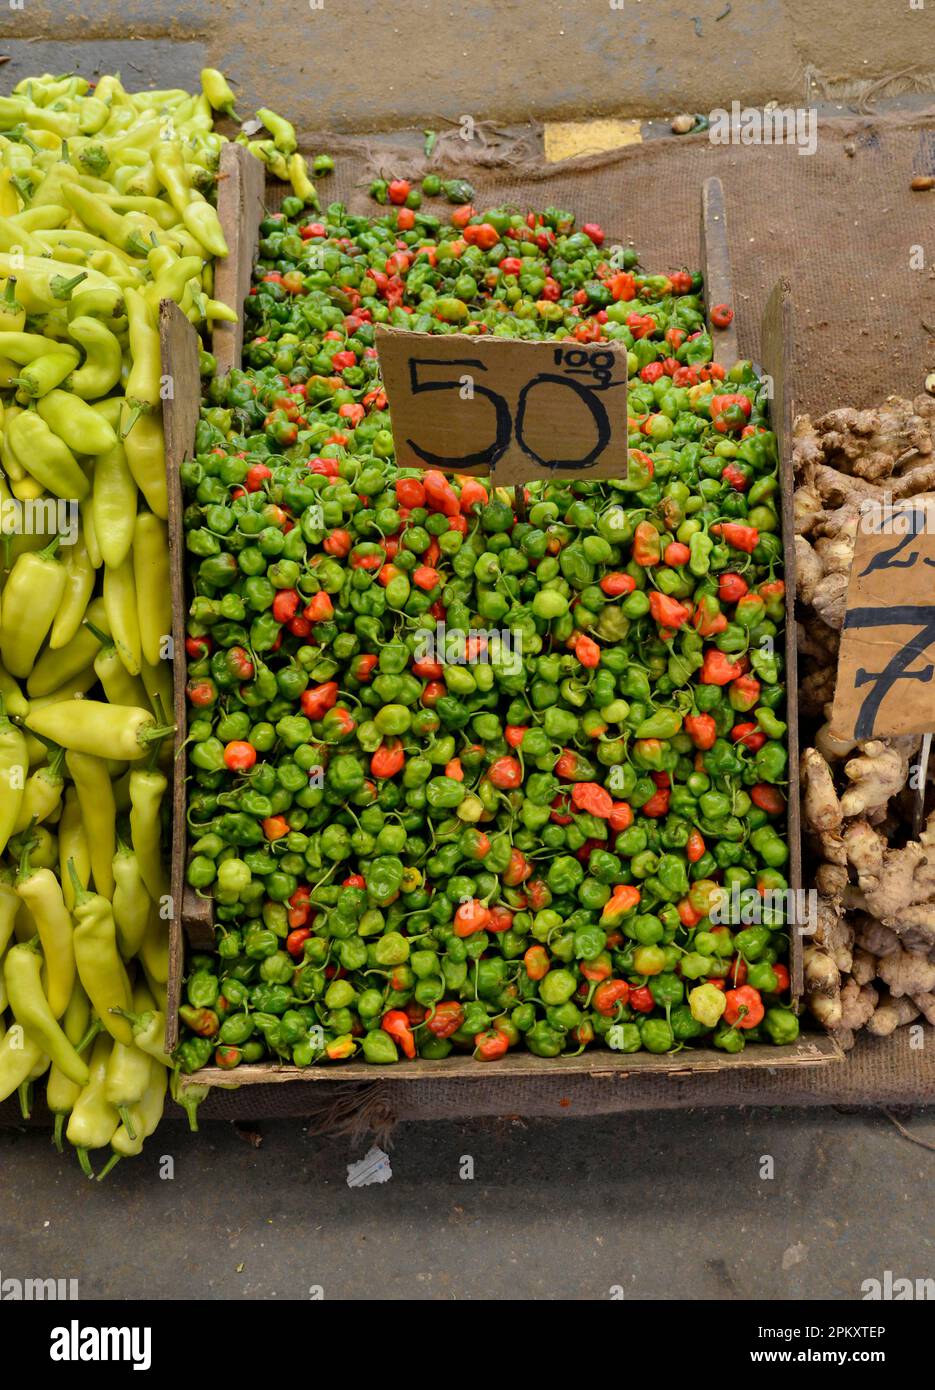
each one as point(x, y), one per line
point(105, 210)
point(871, 963)
point(476, 770)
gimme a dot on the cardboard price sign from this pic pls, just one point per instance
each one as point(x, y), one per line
point(519, 410)
point(886, 663)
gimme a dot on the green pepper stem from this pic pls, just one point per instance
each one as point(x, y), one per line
point(109, 1166)
point(94, 1027)
point(62, 288)
point(81, 893)
point(127, 1121)
point(29, 843)
point(135, 414)
point(104, 638)
point(24, 1092)
point(57, 1131)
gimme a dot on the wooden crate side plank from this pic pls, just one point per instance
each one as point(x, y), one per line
point(179, 350)
point(808, 1051)
point(776, 349)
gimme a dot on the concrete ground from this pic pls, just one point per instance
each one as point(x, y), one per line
point(346, 65)
point(702, 1204)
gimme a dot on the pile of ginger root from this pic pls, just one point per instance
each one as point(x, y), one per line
point(870, 964)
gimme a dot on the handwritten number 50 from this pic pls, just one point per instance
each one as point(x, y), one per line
point(504, 427)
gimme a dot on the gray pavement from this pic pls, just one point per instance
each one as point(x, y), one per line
point(647, 1206)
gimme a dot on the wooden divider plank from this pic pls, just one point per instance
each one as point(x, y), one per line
point(241, 189)
point(715, 265)
point(179, 349)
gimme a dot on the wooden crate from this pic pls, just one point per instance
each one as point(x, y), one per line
point(241, 201)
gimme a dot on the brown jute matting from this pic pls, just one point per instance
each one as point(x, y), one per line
point(841, 224)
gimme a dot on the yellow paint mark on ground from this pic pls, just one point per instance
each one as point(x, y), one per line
point(570, 139)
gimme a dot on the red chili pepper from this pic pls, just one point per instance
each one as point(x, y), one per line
point(491, 1044)
point(641, 1000)
point(471, 916)
point(501, 918)
point(737, 479)
point(256, 477)
point(658, 803)
point(744, 1007)
point(667, 611)
point(274, 827)
point(641, 325)
point(622, 900)
point(424, 577)
point(681, 282)
point(721, 315)
point(439, 494)
point(718, 669)
point(768, 799)
point(586, 650)
point(239, 756)
point(285, 605)
point(593, 798)
point(717, 404)
point(481, 234)
point(515, 733)
point(505, 773)
point(296, 939)
point(676, 554)
point(320, 607)
point(695, 847)
point(749, 735)
point(446, 1019)
point(745, 538)
point(617, 583)
point(518, 869)
point(782, 977)
point(647, 546)
point(701, 729)
point(396, 1023)
point(201, 693)
point(609, 994)
point(363, 667)
point(687, 914)
point(622, 286)
point(388, 758)
point(731, 587)
point(198, 647)
point(318, 699)
point(536, 961)
point(621, 816)
point(473, 494)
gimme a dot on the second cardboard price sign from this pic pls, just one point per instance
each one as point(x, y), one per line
point(517, 410)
